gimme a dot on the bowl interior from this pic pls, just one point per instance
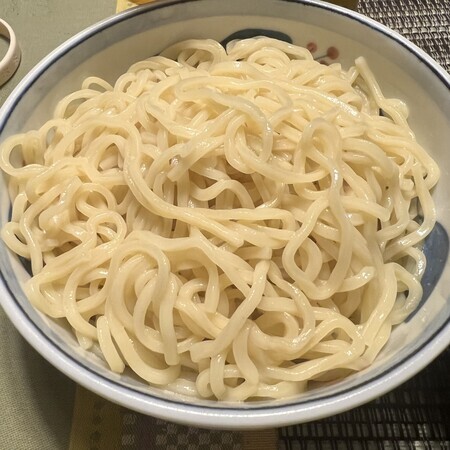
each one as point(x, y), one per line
point(109, 48)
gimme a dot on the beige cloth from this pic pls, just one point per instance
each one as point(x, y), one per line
point(36, 401)
point(122, 5)
point(41, 25)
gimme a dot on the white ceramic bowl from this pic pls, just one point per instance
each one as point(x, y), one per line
point(107, 49)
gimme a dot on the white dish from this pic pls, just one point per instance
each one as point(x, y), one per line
point(106, 50)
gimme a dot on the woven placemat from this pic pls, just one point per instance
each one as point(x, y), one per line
point(414, 416)
point(426, 23)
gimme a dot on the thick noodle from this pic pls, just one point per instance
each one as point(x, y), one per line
point(231, 224)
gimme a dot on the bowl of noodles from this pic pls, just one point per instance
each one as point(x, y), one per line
point(230, 218)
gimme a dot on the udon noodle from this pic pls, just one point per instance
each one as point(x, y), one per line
point(232, 224)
